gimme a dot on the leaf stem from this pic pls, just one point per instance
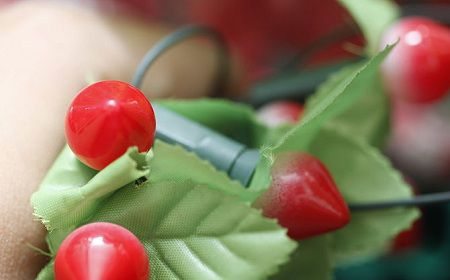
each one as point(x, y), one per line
point(39, 250)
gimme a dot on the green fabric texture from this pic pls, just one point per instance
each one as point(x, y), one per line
point(312, 260)
point(189, 224)
point(363, 174)
point(368, 117)
point(333, 98)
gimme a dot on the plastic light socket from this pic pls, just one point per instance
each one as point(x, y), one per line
point(224, 153)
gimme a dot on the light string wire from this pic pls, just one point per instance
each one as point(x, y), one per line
point(178, 36)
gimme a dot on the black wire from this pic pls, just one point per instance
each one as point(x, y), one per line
point(420, 200)
point(178, 36)
point(336, 35)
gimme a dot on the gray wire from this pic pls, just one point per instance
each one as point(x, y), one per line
point(172, 40)
point(420, 200)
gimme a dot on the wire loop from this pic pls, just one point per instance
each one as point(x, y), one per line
point(174, 39)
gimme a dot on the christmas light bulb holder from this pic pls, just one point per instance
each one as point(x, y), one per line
point(225, 154)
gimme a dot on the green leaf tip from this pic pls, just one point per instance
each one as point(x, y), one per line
point(373, 17)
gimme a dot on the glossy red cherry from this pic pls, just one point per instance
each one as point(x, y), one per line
point(101, 251)
point(281, 112)
point(105, 119)
point(417, 69)
point(303, 197)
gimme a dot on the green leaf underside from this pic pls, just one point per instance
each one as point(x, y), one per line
point(47, 272)
point(331, 100)
point(372, 16)
point(198, 233)
point(368, 117)
point(194, 232)
point(71, 191)
point(363, 175)
point(237, 121)
point(177, 164)
point(168, 212)
point(311, 260)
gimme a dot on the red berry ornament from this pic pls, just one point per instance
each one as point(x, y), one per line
point(303, 197)
point(281, 112)
point(417, 69)
point(101, 251)
point(105, 119)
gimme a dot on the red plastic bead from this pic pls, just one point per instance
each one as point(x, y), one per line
point(101, 251)
point(281, 112)
point(105, 119)
point(417, 70)
point(303, 197)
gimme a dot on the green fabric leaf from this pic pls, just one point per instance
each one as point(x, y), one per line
point(47, 272)
point(194, 232)
point(329, 102)
point(71, 191)
point(176, 163)
point(332, 99)
point(234, 120)
point(363, 175)
point(182, 204)
point(312, 261)
point(368, 117)
point(373, 16)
